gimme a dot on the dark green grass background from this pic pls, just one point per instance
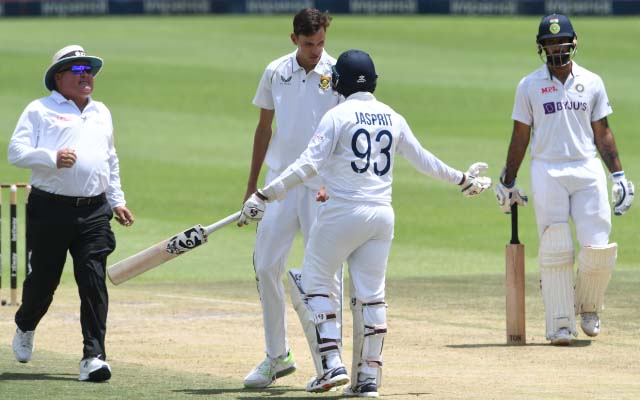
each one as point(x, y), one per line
point(180, 91)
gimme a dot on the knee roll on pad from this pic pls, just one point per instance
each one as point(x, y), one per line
point(369, 330)
point(556, 256)
point(320, 328)
point(595, 265)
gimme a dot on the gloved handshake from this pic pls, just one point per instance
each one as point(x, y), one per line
point(473, 184)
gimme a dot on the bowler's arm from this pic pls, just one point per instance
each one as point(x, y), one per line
point(261, 141)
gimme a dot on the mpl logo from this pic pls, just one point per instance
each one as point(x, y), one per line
point(550, 89)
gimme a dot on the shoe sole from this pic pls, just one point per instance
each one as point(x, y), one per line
point(99, 375)
point(286, 371)
point(349, 393)
point(561, 342)
point(279, 374)
point(339, 380)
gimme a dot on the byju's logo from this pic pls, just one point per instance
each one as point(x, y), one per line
point(549, 108)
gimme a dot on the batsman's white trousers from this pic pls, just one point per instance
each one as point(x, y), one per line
point(275, 234)
point(361, 234)
point(576, 189)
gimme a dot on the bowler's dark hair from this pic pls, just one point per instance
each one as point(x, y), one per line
point(308, 21)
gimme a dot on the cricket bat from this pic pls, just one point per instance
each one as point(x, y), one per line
point(514, 254)
point(164, 251)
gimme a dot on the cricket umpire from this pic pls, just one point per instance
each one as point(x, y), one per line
point(562, 109)
point(66, 139)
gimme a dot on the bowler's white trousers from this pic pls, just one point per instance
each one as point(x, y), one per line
point(576, 189)
point(275, 234)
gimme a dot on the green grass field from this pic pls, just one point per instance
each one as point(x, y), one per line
point(180, 91)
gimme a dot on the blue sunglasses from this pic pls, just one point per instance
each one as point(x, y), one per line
point(78, 69)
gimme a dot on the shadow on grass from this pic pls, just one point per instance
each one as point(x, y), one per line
point(255, 393)
point(574, 343)
point(280, 391)
point(14, 376)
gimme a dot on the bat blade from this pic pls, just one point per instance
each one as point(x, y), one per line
point(514, 254)
point(514, 279)
point(164, 251)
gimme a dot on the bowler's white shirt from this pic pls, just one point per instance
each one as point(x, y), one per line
point(299, 100)
point(53, 123)
point(364, 125)
point(561, 114)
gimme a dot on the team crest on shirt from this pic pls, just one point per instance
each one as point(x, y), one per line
point(325, 82)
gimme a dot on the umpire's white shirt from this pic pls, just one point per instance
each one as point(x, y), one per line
point(561, 114)
point(53, 123)
point(300, 100)
point(354, 148)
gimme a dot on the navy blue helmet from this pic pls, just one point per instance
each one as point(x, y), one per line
point(555, 25)
point(354, 72)
point(553, 53)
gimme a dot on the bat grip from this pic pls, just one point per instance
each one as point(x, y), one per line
point(514, 224)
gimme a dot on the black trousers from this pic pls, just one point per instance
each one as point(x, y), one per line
point(84, 231)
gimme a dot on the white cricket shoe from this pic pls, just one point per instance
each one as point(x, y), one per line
point(23, 345)
point(332, 377)
point(561, 338)
point(94, 370)
point(364, 388)
point(590, 323)
point(269, 370)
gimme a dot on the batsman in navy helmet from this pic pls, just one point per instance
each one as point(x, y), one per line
point(354, 72)
point(561, 110)
point(353, 149)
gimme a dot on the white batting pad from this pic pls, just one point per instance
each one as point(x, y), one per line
point(310, 321)
point(369, 330)
point(555, 257)
point(595, 265)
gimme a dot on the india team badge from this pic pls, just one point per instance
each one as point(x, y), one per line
point(554, 27)
point(325, 82)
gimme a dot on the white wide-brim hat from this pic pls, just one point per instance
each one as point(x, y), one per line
point(67, 55)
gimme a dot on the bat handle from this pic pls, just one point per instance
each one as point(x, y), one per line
point(514, 224)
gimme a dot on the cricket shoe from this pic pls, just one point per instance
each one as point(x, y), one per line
point(561, 338)
point(590, 323)
point(364, 388)
point(269, 370)
point(94, 369)
point(23, 345)
point(332, 377)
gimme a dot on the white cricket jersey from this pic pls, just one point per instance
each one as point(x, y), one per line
point(299, 100)
point(354, 147)
point(561, 115)
point(53, 123)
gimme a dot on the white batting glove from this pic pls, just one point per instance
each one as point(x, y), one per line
point(509, 194)
point(473, 184)
point(622, 193)
point(252, 209)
